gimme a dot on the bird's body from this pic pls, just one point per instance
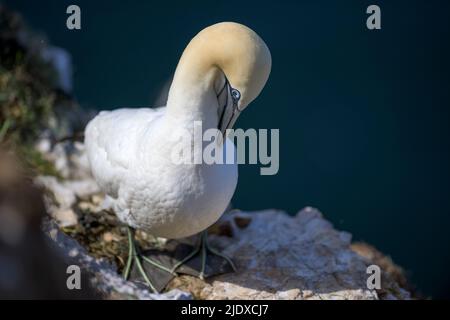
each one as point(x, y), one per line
point(130, 152)
point(133, 152)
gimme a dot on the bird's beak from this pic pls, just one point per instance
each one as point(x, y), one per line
point(229, 118)
point(230, 111)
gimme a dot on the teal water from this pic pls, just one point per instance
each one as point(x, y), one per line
point(363, 115)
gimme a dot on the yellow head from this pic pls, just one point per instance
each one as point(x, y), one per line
point(240, 53)
point(227, 48)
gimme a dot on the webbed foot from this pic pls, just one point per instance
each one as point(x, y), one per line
point(202, 249)
point(135, 256)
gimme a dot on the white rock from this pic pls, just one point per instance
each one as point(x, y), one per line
point(284, 257)
point(64, 196)
point(82, 188)
point(65, 217)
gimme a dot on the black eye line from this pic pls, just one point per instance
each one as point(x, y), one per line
point(223, 88)
point(235, 110)
point(235, 102)
point(226, 103)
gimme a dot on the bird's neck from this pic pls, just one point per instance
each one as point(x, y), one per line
point(193, 93)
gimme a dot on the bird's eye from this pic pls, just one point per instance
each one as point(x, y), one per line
point(235, 94)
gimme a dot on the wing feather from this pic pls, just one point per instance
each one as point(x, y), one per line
point(111, 140)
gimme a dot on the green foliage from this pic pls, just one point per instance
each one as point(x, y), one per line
point(27, 97)
point(26, 105)
point(35, 163)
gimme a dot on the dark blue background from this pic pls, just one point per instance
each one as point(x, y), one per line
point(363, 115)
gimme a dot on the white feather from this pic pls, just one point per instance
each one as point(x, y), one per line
point(129, 151)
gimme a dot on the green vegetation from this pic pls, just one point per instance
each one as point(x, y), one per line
point(27, 97)
point(26, 105)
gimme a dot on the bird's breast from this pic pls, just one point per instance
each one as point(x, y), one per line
point(178, 200)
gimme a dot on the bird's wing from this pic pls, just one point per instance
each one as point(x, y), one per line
point(112, 139)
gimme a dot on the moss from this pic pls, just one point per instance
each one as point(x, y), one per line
point(26, 107)
point(35, 162)
point(25, 110)
point(27, 94)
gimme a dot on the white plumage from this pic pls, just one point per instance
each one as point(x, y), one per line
point(130, 150)
point(130, 155)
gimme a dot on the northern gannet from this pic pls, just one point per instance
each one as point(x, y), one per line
point(222, 70)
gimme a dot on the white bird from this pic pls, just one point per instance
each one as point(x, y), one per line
point(223, 69)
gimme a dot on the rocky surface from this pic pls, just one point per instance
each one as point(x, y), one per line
point(277, 256)
point(283, 257)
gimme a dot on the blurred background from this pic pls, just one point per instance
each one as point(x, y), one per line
point(363, 115)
